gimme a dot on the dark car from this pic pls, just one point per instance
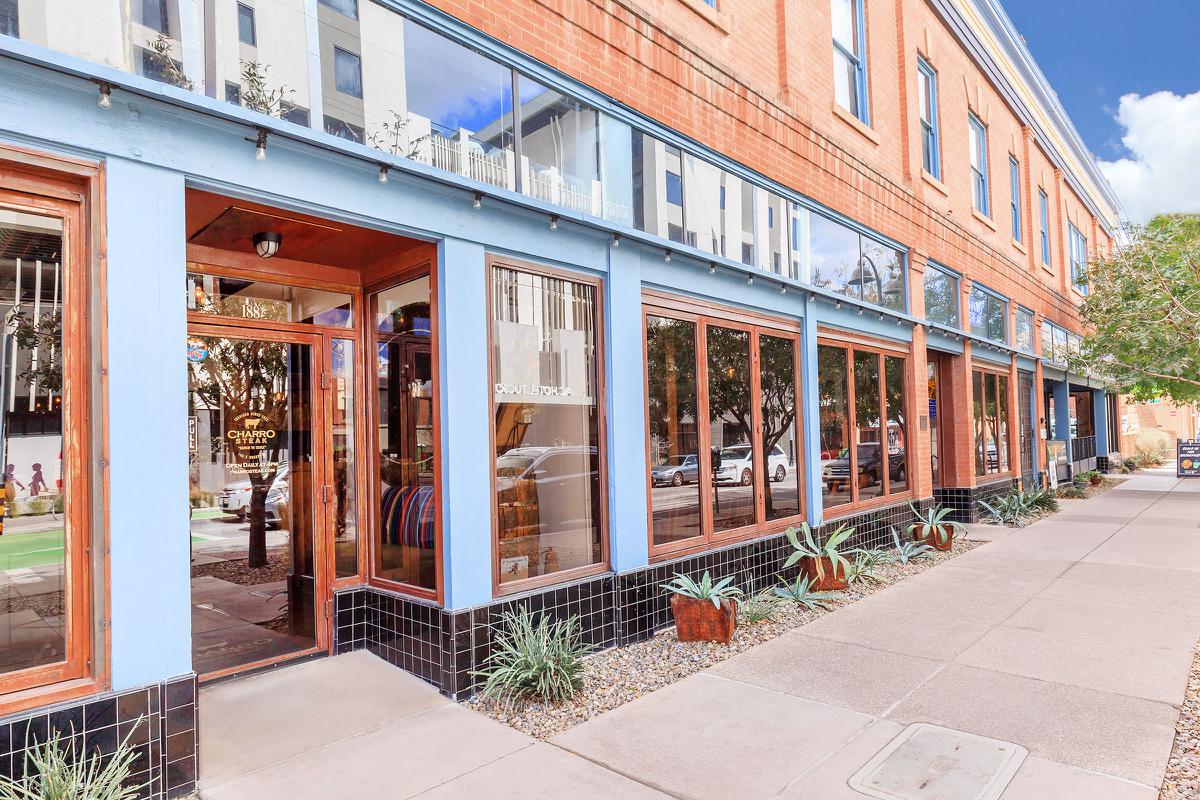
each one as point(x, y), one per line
point(836, 473)
point(676, 471)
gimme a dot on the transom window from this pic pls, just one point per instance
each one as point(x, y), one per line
point(941, 296)
point(1079, 258)
point(1024, 332)
point(988, 315)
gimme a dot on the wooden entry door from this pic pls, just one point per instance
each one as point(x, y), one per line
point(259, 475)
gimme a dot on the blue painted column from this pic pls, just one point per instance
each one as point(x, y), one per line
point(1100, 421)
point(464, 400)
point(150, 551)
point(628, 533)
point(811, 410)
point(1062, 415)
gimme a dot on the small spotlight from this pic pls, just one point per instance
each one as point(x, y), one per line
point(837, 303)
point(478, 200)
point(860, 311)
point(899, 321)
point(712, 268)
point(260, 144)
point(553, 222)
point(749, 280)
point(383, 171)
point(266, 243)
point(616, 240)
point(105, 99)
point(881, 317)
point(782, 289)
point(666, 255)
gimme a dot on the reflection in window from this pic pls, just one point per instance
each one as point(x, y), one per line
point(244, 299)
point(833, 408)
point(245, 21)
point(867, 418)
point(705, 188)
point(674, 444)
point(546, 424)
point(1024, 332)
point(347, 7)
point(407, 551)
point(345, 483)
point(941, 297)
point(988, 315)
point(897, 430)
point(880, 276)
point(990, 406)
point(347, 72)
point(656, 166)
point(777, 360)
point(155, 15)
point(9, 19)
point(560, 148)
point(841, 260)
point(343, 130)
point(729, 419)
point(834, 255)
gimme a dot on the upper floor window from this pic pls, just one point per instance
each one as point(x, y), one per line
point(941, 296)
point(979, 167)
point(1014, 185)
point(347, 7)
point(849, 58)
point(155, 15)
point(245, 17)
point(1024, 333)
point(1078, 258)
point(347, 72)
point(9, 21)
point(1044, 225)
point(989, 315)
point(931, 157)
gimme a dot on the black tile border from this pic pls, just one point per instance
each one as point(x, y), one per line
point(964, 501)
point(445, 648)
point(159, 721)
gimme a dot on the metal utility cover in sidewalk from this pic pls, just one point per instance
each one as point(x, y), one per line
point(929, 762)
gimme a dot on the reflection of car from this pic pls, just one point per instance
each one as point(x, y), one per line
point(236, 497)
point(562, 482)
point(737, 465)
point(677, 471)
point(836, 472)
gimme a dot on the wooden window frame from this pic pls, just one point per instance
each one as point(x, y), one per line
point(491, 263)
point(856, 344)
point(706, 315)
point(1000, 372)
point(73, 190)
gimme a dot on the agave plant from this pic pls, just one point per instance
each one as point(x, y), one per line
point(543, 660)
point(705, 589)
point(906, 551)
point(932, 524)
point(799, 592)
point(759, 607)
point(862, 569)
point(56, 772)
point(829, 549)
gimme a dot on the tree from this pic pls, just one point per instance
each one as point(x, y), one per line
point(1143, 312)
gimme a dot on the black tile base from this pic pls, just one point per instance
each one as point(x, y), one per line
point(963, 502)
point(445, 648)
point(158, 721)
point(1108, 463)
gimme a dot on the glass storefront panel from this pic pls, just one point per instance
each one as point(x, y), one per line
point(406, 447)
point(559, 148)
point(343, 415)
point(980, 423)
point(547, 424)
point(35, 551)
point(941, 297)
point(657, 187)
point(880, 276)
point(834, 256)
point(733, 448)
point(706, 193)
point(674, 437)
point(897, 424)
point(259, 300)
point(780, 445)
point(833, 404)
point(252, 498)
point(1002, 422)
point(868, 442)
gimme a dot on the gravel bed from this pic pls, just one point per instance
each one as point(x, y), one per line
point(620, 674)
point(1182, 781)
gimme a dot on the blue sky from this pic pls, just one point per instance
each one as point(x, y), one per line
point(1125, 70)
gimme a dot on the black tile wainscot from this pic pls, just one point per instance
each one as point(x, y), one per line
point(446, 648)
point(964, 502)
point(158, 721)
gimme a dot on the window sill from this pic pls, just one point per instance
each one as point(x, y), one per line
point(1047, 268)
point(1024, 250)
point(713, 16)
point(935, 183)
point(856, 123)
point(985, 220)
point(850, 509)
point(48, 695)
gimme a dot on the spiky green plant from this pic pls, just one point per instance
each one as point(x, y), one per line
point(56, 772)
point(933, 523)
point(758, 607)
point(829, 548)
point(906, 551)
point(705, 589)
point(542, 660)
point(799, 592)
point(862, 568)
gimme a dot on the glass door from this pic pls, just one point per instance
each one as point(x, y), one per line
point(255, 472)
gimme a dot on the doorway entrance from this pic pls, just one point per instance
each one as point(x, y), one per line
point(934, 384)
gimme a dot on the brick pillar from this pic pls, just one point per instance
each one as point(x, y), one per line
point(918, 442)
point(958, 422)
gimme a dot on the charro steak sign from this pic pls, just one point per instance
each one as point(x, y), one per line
point(252, 439)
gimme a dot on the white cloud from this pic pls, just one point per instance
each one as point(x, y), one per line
point(1162, 131)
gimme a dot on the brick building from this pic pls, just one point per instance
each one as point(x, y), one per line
point(492, 305)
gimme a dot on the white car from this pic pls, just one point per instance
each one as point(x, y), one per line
point(737, 467)
point(236, 497)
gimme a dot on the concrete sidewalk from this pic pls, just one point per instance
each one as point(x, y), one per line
point(1071, 638)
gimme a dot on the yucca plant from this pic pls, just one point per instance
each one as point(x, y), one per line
point(932, 526)
point(1041, 500)
point(828, 550)
point(542, 660)
point(705, 589)
point(800, 592)
point(758, 607)
point(862, 568)
point(906, 551)
point(56, 772)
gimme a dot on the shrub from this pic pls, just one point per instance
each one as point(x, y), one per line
point(1017, 506)
point(798, 592)
point(1071, 492)
point(934, 523)
point(543, 661)
point(56, 772)
point(759, 607)
point(1154, 446)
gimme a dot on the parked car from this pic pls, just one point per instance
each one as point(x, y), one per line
point(235, 499)
point(677, 471)
point(737, 465)
point(836, 472)
point(564, 482)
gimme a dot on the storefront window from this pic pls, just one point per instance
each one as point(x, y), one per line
point(733, 448)
point(258, 300)
point(780, 445)
point(842, 260)
point(941, 297)
point(547, 425)
point(835, 425)
point(867, 437)
point(897, 424)
point(345, 463)
point(674, 444)
point(559, 148)
point(1024, 330)
point(405, 444)
point(991, 411)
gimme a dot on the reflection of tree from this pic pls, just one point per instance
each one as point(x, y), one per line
point(941, 299)
point(41, 337)
point(729, 380)
point(392, 137)
point(247, 377)
point(161, 52)
point(258, 96)
point(777, 382)
point(831, 402)
point(671, 355)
